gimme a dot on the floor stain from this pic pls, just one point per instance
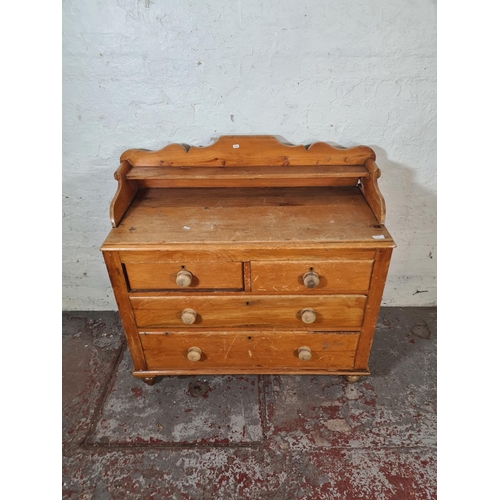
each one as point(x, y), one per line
point(421, 331)
point(198, 389)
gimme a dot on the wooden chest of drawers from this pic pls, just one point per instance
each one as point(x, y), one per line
point(248, 256)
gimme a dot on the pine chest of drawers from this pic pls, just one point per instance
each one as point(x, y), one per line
point(248, 256)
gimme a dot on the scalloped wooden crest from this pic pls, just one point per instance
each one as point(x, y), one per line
point(247, 150)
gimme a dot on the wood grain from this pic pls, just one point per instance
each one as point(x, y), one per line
point(236, 151)
point(242, 173)
point(119, 285)
point(235, 370)
point(216, 253)
point(380, 269)
point(275, 350)
point(334, 276)
point(156, 276)
point(264, 311)
point(371, 192)
point(247, 276)
point(313, 175)
point(289, 215)
point(125, 193)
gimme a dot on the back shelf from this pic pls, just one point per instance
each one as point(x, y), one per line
point(247, 161)
point(250, 176)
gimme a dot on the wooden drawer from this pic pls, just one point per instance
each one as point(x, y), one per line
point(249, 350)
point(344, 276)
point(274, 311)
point(204, 275)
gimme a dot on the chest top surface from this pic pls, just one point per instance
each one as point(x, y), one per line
point(253, 215)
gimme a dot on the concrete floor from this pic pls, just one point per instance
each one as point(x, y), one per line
point(250, 437)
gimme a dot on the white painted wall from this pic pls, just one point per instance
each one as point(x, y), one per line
point(144, 73)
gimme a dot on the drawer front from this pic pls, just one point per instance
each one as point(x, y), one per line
point(344, 276)
point(201, 275)
point(286, 312)
point(333, 351)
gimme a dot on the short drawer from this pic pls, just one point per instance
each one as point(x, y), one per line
point(250, 350)
point(343, 276)
point(273, 311)
point(185, 275)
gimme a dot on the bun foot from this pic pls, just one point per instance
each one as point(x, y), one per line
point(352, 378)
point(149, 380)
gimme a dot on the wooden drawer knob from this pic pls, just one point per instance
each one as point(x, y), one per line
point(184, 278)
point(188, 316)
point(194, 354)
point(311, 279)
point(308, 316)
point(305, 353)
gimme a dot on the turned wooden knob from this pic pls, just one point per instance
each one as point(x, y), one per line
point(308, 316)
point(305, 353)
point(311, 279)
point(194, 354)
point(188, 316)
point(183, 278)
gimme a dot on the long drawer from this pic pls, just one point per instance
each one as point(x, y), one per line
point(314, 312)
point(332, 351)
